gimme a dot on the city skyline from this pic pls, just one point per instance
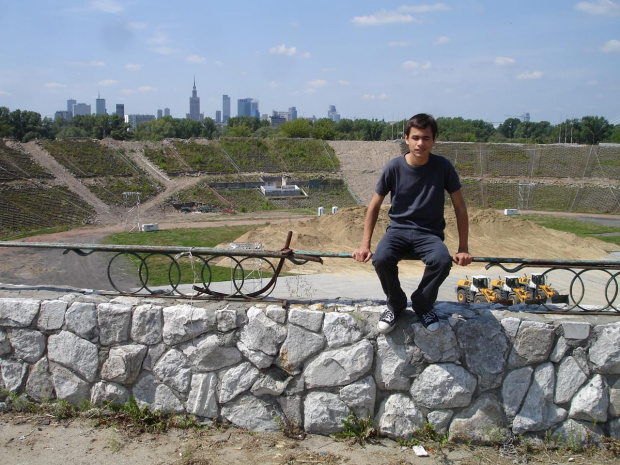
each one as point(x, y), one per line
point(245, 107)
point(475, 59)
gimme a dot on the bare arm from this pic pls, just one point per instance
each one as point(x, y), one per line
point(462, 256)
point(363, 253)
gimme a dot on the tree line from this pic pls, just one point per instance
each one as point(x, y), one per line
point(28, 125)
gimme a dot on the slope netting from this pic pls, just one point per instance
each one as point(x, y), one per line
point(597, 199)
point(562, 161)
point(587, 176)
point(582, 198)
point(465, 156)
point(88, 158)
point(506, 159)
point(17, 164)
point(26, 206)
point(551, 198)
point(547, 161)
point(607, 162)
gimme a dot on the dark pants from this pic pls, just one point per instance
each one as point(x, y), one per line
point(397, 244)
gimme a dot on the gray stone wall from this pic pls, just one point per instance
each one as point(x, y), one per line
point(486, 374)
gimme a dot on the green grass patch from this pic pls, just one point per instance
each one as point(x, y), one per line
point(578, 227)
point(159, 265)
point(34, 232)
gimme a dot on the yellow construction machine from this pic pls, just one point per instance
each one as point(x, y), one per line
point(510, 290)
point(475, 289)
point(537, 288)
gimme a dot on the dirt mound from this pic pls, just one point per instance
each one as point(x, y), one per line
point(491, 235)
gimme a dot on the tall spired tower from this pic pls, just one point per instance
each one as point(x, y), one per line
point(194, 104)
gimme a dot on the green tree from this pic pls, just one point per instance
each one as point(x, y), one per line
point(209, 129)
point(508, 127)
point(6, 127)
point(456, 129)
point(615, 135)
point(299, 128)
point(187, 128)
point(323, 129)
point(482, 130)
point(239, 131)
point(538, 133)
point(266, 132)
point(85, 123)
point(71, 131)
point(118, 129)
point(594, 129)
point(567, 131)
point(251, 122)
point(344, 129)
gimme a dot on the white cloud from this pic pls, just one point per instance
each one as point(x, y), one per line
point(416, 67)
point(611, 46)
point(107, 6)
point(108, 82)
point(94, 64)
point(4, 92)
point(400, 15)
point(530, 75)
point(158, 38)
point(599, 7)
point(314, 85)
point(374, 97)
point(196, 59)
point(134, 66)
point(424, 8)
point(305, 55)
point(218, 63)
point(142, 89)
point(283, 50)
point(505, 61)
point(342, 82)
point(383, 17)
point(136, 26)
point(274, 84)
point(54, 85)
point(402, 43)
point(317, 83)
point(165, 50)
point(442, 40)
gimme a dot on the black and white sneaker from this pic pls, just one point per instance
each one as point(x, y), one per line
point(429, 320)
point(386, 322)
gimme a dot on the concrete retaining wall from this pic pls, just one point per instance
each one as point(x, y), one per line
point(487, 373)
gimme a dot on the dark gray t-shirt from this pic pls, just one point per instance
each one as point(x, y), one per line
point(417, 192)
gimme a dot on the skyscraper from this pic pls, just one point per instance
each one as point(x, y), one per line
point(225, 108)
point(120, 110)
point(166, 111)
point(81, 109)
point(100, 105)
point(333, 114)
point(194, 104)
point(160, 113)
point(70, 104)
point(247, 107)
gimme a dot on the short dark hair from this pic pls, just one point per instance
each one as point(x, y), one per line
point(422, 121)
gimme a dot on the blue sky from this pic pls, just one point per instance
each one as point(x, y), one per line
point(485, 59)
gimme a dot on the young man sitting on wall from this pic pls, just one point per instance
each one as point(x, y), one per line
point(416, 182)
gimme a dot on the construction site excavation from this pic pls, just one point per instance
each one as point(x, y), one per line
point(211, 282)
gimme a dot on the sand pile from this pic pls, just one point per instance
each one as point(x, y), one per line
point(491, 235)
